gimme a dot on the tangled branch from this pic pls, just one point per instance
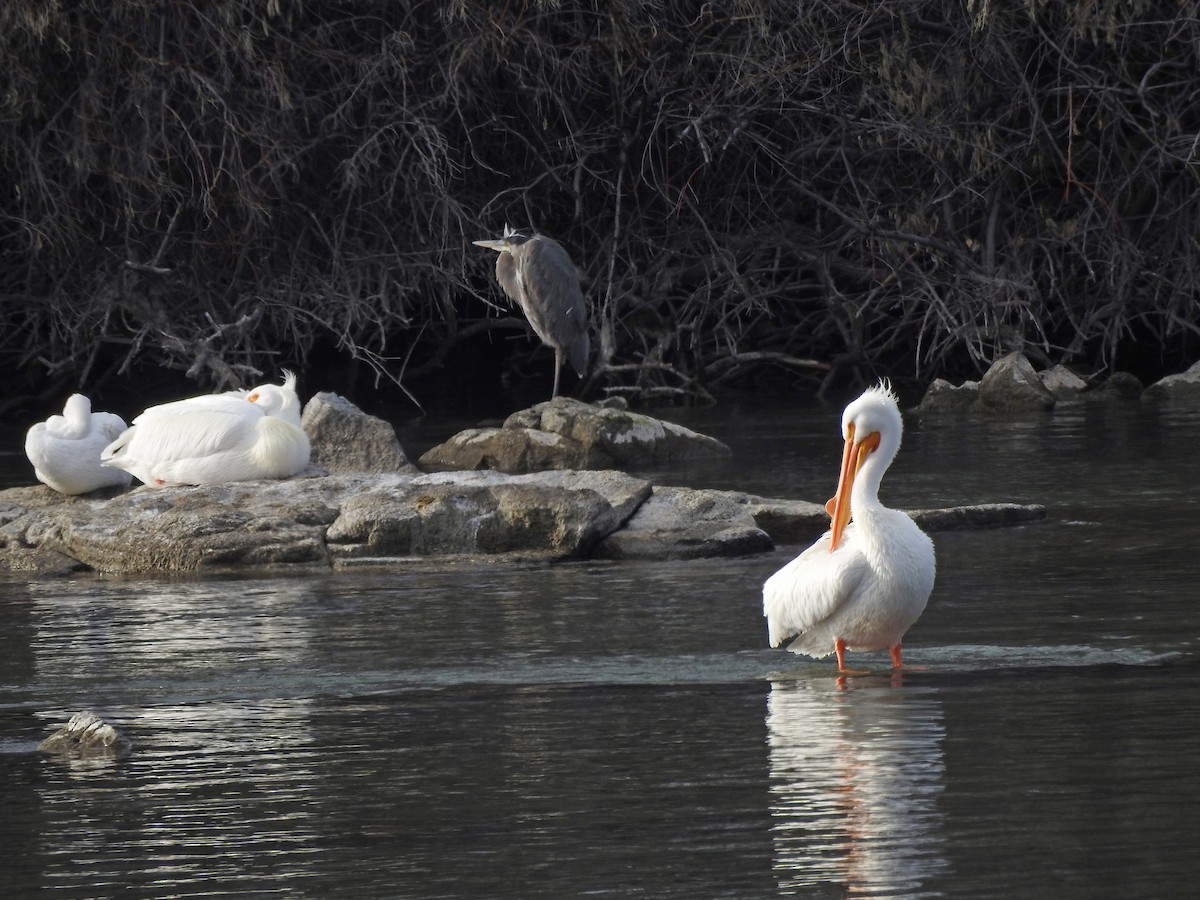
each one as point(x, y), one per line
point(759, 191)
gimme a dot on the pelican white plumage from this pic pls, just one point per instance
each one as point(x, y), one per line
point(212, 439)
point(863, 583)
point(65, 450)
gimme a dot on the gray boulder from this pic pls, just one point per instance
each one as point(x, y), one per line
point(346, 439)
point(564, 433)
point(1012, 385)
point(941, 395)
point(1183, 387)
point(561, 514)
point(1062, 383)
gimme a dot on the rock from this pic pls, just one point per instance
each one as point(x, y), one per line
point(351, 520)
point(1119, 386)
point(681, 523)
point(1012, 385)
point(511, 450)
point(564, 433)
point(1062, 383)
point(318, 522)
point(86, 734)
point(1181, 388)
point(562, 514)
point(987, 515)
point(941, 395)
point(789, 521)
point(346, 439)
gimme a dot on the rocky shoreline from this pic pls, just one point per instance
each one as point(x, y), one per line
point(552, 483)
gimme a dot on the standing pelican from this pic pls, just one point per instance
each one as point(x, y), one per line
point(65, 450)
point(863, 584)
point(538, 275)
point(235, 436)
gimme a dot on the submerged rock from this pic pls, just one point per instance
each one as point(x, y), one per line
point(1119, 386)
point(86, 735)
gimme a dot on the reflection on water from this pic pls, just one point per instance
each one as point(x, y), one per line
point(856, 770)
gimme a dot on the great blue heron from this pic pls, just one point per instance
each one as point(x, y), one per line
point(537, 274)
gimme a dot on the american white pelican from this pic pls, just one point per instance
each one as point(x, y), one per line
point(65, 450)
point(863, 584)
point(235, 436)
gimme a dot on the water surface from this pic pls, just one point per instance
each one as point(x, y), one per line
point(619, 729)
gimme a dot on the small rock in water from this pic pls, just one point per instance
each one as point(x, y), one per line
point(1012, 385)
point(85, 734)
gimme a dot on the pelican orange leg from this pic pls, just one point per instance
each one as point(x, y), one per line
point(839, 647)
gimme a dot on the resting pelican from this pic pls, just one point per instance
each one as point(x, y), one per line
point(65, 450)
point(863, 584)
point(235, 436)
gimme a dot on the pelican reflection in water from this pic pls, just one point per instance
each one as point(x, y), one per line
point(856, 769)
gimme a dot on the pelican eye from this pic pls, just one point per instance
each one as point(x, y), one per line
point(252, 398)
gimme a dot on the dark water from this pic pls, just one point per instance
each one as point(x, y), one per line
point(619, 730)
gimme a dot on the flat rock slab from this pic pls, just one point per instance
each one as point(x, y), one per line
point(680, 523)
point(354, 520)
point(316, 522)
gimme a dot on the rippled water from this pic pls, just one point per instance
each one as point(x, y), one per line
point(619, 729)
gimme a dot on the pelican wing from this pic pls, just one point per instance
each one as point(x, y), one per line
point(233, 402)
point(812, 587)
point(162, 435)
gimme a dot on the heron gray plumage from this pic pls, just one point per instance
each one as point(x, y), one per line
point(537, 274)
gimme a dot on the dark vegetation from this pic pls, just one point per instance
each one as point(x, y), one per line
point(758, 194)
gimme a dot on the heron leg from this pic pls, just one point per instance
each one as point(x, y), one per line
point(557, 369)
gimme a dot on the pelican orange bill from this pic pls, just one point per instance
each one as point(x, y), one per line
point(853, 456)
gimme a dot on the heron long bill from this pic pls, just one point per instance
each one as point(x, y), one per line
point(500, 245)
point(854, 454)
